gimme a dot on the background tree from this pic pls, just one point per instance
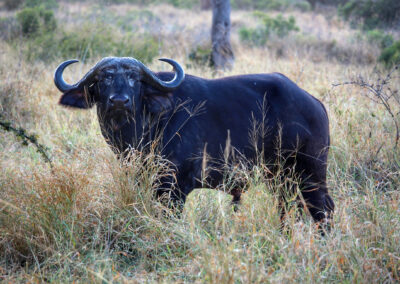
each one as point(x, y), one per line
point(222, 57)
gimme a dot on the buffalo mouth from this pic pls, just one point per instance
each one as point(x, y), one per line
point(118, 118)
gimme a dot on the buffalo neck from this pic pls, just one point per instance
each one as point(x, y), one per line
point(138, 131)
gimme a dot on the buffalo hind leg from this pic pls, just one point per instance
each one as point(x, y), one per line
point(319, 203)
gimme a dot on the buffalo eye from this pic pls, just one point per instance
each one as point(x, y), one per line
point(131, 80)
point(108, 78)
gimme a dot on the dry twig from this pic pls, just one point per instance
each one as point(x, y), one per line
point(381, 93)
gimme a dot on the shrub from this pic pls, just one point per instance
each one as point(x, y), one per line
point(187, 4)
point(256, 36)
point(88, 42)
point(49, 21)
point(314, 3)
point(139, 2)
point(279, 5)
point(278, 26)
point(201, 55)
point(29, 20)
point(391, 55)
point(45, 4)
point(36, 20)
point(91, 41)
point(303, 6)
point(380, 38)
point(371, 14)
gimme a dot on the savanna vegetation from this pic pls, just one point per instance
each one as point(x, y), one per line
point(71, 211)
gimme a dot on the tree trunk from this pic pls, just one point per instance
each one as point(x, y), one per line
point(222, 57)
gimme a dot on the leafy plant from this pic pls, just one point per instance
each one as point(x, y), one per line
point(201, 55)
point(256, 36)
point(371, 13)
point(391, 55)
point(92, 40)
point(45, 4)
point(29, 20)
point(278, 26)
point(279, 5)
point(35, 20)
point(380, 37)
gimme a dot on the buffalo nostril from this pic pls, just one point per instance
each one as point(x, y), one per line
point(118, 101)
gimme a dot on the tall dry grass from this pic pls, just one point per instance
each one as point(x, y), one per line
point(91, 218)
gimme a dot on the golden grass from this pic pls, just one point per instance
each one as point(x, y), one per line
point(86, 220)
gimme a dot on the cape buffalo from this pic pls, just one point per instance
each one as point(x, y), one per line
point(195, 118)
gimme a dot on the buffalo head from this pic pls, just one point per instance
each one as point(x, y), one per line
point(116, 85)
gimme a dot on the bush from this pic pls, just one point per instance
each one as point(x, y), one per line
point(45, 4)
point(371, 14)
point(91, 41)
point(36, 20)
point(391, 55)
point(314, 3)
point(201, 55)
point(302, 6)
point(186, 4)
point(29, 20)
point(257, 36)
point(279, 5)
point(88, 42)
point(278, 26)
point(379, 37)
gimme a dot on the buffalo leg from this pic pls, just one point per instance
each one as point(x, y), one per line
point(313, 186)
point(317, 199)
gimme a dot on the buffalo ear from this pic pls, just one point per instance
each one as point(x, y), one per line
point(157, 101)
point(77, 98)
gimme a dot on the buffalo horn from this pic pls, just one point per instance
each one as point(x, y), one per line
point(165, 86)
point(61, 84)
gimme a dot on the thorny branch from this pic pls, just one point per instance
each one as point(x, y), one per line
point(22, 134)
point(381, 93)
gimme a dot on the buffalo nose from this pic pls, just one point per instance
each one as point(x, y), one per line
point(119, 101)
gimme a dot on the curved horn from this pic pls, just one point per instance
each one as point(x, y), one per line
point(61, 84)
point(152, 79)
point(58, 76)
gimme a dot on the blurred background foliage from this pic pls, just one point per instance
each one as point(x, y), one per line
point(46, 39)
point(278, 26)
